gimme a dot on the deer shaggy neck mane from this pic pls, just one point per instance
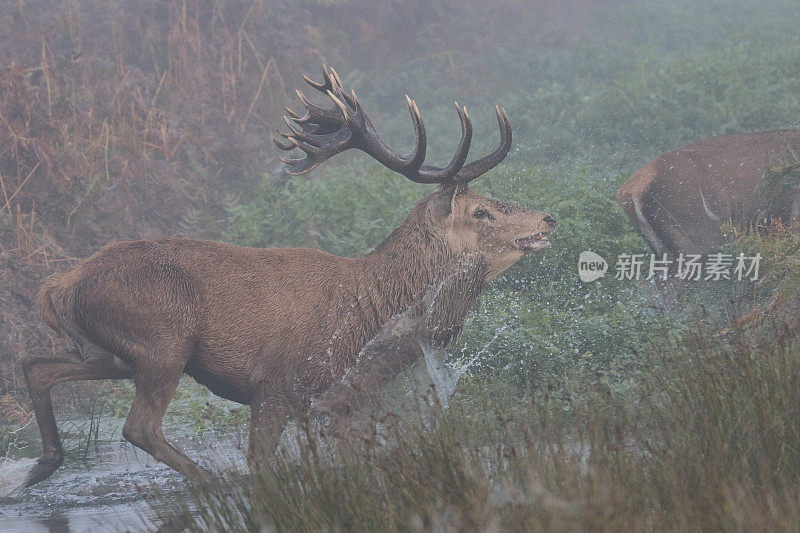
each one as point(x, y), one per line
point(413, 270)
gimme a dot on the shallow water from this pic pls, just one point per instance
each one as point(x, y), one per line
point(105, 491)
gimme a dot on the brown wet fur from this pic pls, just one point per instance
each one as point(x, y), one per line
point(271, 327)
point(728, 169)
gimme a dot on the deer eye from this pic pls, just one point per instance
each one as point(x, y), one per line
point(482, 213)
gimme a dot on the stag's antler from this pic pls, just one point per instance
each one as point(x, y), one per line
point(324, 132)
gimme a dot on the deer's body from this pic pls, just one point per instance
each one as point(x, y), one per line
point(680, 199)
point(275, 327)
point(248, 315)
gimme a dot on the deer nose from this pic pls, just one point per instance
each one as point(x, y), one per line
point(550, 221)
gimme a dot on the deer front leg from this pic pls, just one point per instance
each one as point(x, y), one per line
point(271, 408)
point(392, 350)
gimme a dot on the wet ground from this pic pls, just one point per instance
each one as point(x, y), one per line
point(106, 486)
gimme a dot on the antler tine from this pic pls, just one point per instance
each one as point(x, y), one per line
point(327, 146)
point(336, 79)
point(323, 87)
point(484, 164)
point(340, 105)
point(356, 104)
point(318, 119)
point(338, 90)
point(299, 134)
point(332, 83)
point(315, 115)
point(279, 144)
point(296, 134)
point(417, 156)
point(370, 142)
point(446, 175)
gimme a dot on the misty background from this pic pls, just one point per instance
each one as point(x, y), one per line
point(147, 118)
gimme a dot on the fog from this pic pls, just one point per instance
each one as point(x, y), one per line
point(150, 119)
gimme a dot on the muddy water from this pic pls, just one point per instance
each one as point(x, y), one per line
point(102, 486)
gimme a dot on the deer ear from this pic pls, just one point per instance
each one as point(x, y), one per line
point(444, 204)
point(458, 190)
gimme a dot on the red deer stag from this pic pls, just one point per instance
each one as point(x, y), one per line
point(276, 327)
point(680, 199)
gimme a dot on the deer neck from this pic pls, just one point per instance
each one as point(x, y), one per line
point(414, 271)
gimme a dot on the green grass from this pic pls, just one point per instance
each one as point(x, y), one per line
point(708, 441)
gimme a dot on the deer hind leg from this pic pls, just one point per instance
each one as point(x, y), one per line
point(41, 374)
point(154, 390)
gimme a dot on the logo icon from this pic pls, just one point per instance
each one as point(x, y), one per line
point(591, 266)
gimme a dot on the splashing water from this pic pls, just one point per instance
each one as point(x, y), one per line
point(13, 474)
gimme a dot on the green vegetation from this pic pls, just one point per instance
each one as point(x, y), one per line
point(585, 116)
point(592, 408)
point(691, 449)
point(588, 406)
point(194, 409)
point(7, 438)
